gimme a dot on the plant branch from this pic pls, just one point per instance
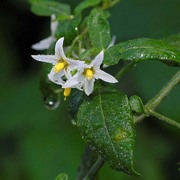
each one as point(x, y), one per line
point(164, 118)
point(110, 4)
point(157, 99)
point(88, 159)
point(94, 169)
point(76, 40)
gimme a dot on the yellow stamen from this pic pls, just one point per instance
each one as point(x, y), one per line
point(67, 92)
point(59, 66)
point(89, 73)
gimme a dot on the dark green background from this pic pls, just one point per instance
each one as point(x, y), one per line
point(38, 144)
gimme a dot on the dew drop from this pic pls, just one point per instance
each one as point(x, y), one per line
point(73, 121)
point(51, 103)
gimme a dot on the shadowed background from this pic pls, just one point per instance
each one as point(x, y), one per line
point(37, 143)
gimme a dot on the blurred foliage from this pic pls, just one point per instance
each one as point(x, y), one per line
point(37, 143)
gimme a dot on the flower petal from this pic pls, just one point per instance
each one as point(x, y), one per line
point(45, 58)
point(76, 64)
point(59, 52)
point(71, 82)
point(43, 44)
point(89, 86)
point(67, 73)
point(99, 74)
point(98, 60)
point(56, 77)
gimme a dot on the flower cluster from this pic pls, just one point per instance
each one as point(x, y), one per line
point(70, 73)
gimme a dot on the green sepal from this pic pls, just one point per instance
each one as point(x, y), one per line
point(62, 176)
point(136, 104)
point(106, 124)
point(47, 8)
point(144, 49)
point(98, 28)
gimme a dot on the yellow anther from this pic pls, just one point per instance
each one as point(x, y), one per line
point(67, 92)
point(59, 66)
point(89, 73)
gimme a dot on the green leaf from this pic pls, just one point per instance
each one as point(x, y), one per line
point(99, 31)
point(62, 176)
point(112, 55)
point(174, 41)
point(106, 123)
point(47, 8)
point(88, 54)
point(68, 29)
point(136, 104)
point(85, 4)
point(144, 49)
point(76, 99)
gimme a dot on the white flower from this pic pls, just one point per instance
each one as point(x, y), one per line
point(87, 74)
point(61, 64)
point(46, 43)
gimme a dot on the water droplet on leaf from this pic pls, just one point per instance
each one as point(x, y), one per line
point(51, 102)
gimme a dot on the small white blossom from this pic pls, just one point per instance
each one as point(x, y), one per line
point(46, 43)
point(61, 64)
point(86, 76)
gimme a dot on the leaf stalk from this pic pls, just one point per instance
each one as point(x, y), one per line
point(157, 99)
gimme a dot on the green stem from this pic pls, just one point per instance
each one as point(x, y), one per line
point(139, 118)
point(157, 99)
point(75, 41)
point(164, 118)
point(88, 159)
point(94, 169)
point(110, 4)
point(114, 2)
point(124, 69)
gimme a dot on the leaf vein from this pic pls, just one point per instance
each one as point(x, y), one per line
point(106, 129)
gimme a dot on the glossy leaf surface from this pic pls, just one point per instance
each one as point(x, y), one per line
point(144, 49)
point(62, 176)
point(47, 8)
point(99, 31)
point(136, 104)
point(68, 29)
point(106, 123)
point(85, 4)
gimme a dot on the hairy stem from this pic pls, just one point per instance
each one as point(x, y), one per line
point(164, 118)
point(157, 99)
